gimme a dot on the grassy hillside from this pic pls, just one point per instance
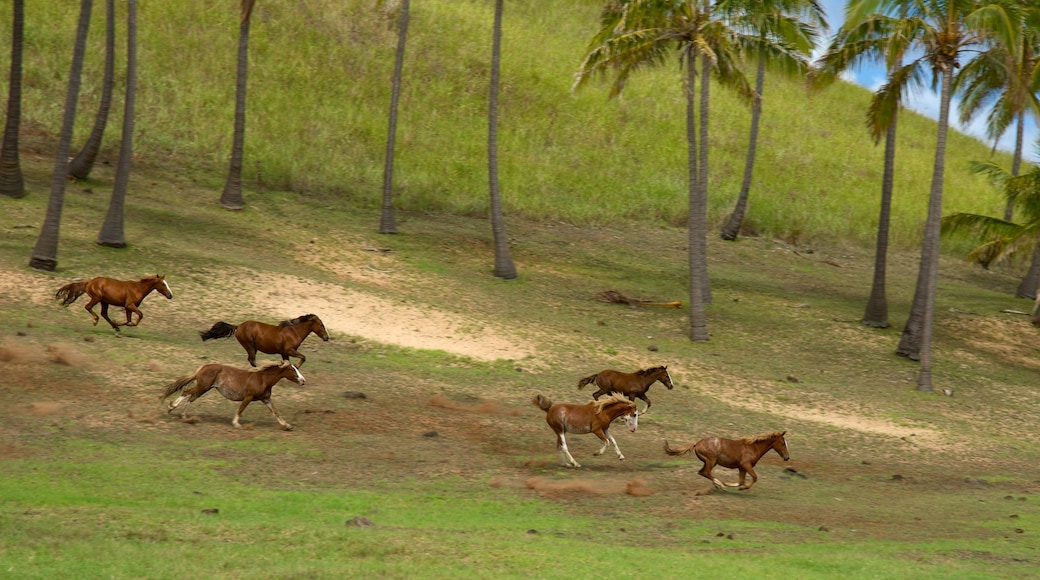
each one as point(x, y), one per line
point(319, 93)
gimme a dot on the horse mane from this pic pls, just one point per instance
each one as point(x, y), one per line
point(599, 405)
point(297, 320)
point(267, 364)
point(644, 372)
point(763, 437)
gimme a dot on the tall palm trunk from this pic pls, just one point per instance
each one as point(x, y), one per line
point(231, 198)
point(12, 184)
point(930, 246)
point(697, 210)
point(876, 314)
point(111, 233)
point(504, 267)
point(386, 219)
point(45, 253)
point(83, 162)
point(702, 180)
point(1028, 286)
point(736, 219)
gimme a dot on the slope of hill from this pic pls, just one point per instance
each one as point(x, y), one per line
point(319, 93)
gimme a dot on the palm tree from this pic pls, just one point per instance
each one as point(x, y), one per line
point(83, 162)
point(1002, 239)
point(779, 19)
point(856, 42)
point(45, 252)
point(386, 219)
point(111, 233)
point(504, 267)
point(1005, 78)
point(941, 31)
point(12, 184)
point(231, 198)
point(643, 33)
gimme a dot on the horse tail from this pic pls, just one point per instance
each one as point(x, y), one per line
point(219, 330)
point(178, 385)
point(682, 450)
point(591, 379)
point(69, 293)
point(541, 402)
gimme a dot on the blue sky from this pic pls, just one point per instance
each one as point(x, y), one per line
point(926, 102)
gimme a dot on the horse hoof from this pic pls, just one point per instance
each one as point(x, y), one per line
point(288, 427)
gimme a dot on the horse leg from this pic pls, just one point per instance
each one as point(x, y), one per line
point(130, 310)
point(614, 443)
point(251, 354)
point(750, 471)
point(285, 424)
point(241, 408)
point(706, 472)
point(565, 456)
point(90, 308)
point(104, 314)
point(295, 353)
point(646, 400)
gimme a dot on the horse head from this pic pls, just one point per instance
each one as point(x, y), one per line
point(161, 285)
point(319, 328)
point(780, 446)
point(296, 376)
point(632, 419)
point(665, 378)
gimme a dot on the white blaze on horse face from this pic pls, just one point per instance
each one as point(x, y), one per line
point(169, 291)
point(632, 421)
point(669, 375)
point(299, 375)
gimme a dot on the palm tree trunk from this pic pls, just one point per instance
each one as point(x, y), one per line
point(876, 314)
point(504, 267)
point(45, 252)
point(386, 219)
point(1028, 287)
point(83, 162)
point(736, 219)
point(231, 198)
point(930, 247)
point(12, 184)
point(697, 210)
point(1016, 161)
point(702, 180)
point(111, 233)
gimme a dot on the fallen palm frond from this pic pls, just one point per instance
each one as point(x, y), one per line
point(615, 297)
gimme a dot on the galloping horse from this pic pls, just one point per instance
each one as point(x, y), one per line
point(594, 417)
point(283, 339)
point(235, 384)
point(110, 292)
point(632, 385)
point(740, 454)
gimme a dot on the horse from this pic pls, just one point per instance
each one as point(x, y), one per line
point(111, 292)
point(632, 385)
point(235, 384)
point(740, 454)
point(282, 339)
point(593, 417)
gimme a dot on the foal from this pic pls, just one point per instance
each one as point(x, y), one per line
point(594, 417)
point(741, 454)
point(236, 385)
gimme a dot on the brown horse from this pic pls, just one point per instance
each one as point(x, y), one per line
point(594, 417)
point(235, 384)
point(110, 292)
point(740, 454)
point(282, 339)
point(632, 385)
